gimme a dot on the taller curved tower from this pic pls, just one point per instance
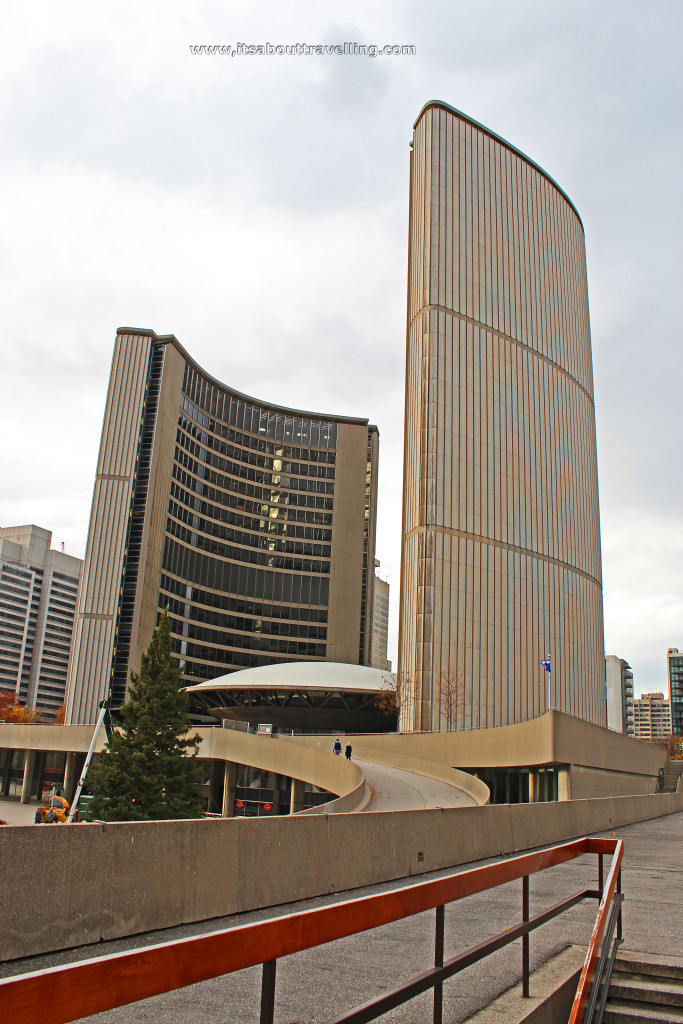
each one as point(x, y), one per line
point(501, 565)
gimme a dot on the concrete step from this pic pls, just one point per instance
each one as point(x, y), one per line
point(657, 965)
point(621, 1011)
point(647, 988)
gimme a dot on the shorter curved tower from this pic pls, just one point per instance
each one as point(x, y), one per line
point(253, 524)
point(501, 565)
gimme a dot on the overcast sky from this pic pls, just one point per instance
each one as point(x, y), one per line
point(256, 207)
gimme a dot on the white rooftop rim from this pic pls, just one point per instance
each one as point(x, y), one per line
point(300, 675)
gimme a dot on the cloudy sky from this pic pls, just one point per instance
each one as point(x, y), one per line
point(256, 207)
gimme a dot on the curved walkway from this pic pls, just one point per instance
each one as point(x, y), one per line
point(394, 789)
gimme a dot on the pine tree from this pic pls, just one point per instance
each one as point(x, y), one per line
point(149, 770)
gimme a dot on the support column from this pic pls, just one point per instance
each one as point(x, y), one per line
point(41, 760)
point(229, 779)
point(298, 798)
point(216, 773)
point(276, 793)
point(4, 771)
point(70, 777)
point(8, 772)
point(563, 784)
point(29, 759)
point(533, 787)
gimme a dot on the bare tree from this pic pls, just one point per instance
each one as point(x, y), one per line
point(451, 698)
point(398, 692)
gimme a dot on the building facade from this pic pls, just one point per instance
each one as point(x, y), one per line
point(501, 561)
point(652, 717)
point(38, 590)
point(674, 671)
point(253, 524)
point(380, 625)
point(619, 685)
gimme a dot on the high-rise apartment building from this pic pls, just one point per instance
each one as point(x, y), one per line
point(252, 523)
point(619, 684)
point(501, 562)
point(380, 625)
point(652, 717)
point(674, 671)
point(38, 588)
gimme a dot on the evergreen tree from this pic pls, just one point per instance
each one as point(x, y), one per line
point(149, 769)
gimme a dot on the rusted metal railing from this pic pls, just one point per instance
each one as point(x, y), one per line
point(591, 994)
point(62, 994)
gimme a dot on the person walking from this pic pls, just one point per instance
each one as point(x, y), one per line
point(336, 747)
point(348, 751)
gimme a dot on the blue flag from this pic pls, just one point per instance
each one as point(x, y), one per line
point(546, 664)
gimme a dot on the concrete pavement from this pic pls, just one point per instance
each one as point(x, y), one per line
point(316, 985)
point(15, 813)
point(394, 789)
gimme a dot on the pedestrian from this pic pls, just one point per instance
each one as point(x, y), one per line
point(336, 747)
point(348, 751)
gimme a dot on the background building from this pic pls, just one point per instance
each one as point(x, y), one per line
point(501, 561)
point(652, 717)
point(252, 523)
point(38, 588)
point(619, 683)
point(674, 671)
point(380, 625)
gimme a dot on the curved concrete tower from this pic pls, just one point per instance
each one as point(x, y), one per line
point(501, 564)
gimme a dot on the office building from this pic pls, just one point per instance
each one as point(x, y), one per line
point(652, 717)
point(501, 562)
point(380, 625)
point(252, 523)
point(619, 684)
point(674, 671)
point(38, 588)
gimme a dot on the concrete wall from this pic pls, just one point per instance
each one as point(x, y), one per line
point(615, 764)
point(70, 885)
point(591, 782)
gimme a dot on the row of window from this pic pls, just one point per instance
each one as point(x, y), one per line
point(246, 580)
point(265, 558)
point(203, 395)
point(234, 603)
point(276, 476)
point(200, 443)
point(264, 627)
point(286, 519)
point(252, 442)
point(243, 502)
point(20, 572)
point(197, 671)
point(232, 477)
point(223, 655)
point(267, 539)
point(219, 639)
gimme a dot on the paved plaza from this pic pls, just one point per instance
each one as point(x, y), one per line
point(315, 986)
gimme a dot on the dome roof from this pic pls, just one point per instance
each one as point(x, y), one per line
point(298, 675)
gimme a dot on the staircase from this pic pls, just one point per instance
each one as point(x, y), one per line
point(645, 987)
point(672, 773)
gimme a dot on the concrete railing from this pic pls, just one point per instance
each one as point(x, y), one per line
point(106, 881)
point(318, 767)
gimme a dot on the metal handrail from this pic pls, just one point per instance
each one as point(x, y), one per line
point(62, 994)
point(590, 981)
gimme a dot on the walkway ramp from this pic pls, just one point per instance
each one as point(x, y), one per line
point(396, 789)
